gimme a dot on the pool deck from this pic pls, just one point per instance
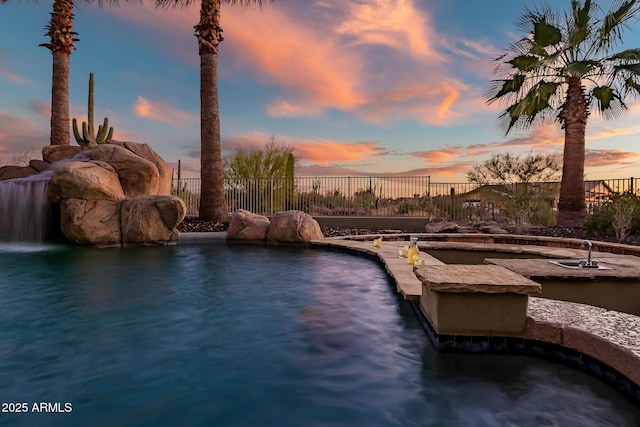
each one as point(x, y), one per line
point(610, 337)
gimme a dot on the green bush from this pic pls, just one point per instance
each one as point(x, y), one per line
point(619, 216)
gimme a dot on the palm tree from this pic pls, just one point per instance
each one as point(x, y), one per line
point(60, 31)
point(561, 70)
point(209, 34)
point(62, 37)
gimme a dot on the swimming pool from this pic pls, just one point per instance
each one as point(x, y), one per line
point(244, 335)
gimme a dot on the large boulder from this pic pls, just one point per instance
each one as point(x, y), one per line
point(293, 227)
point(138, 176)
point(91, 180)
point(54, 153)
point(248, 227)
point(151, 220)
point(13, 172)
point(91, 222)
point(144, 151)
point(115, 194)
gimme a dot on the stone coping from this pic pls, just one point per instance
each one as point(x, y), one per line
point(487, 279)
point(202, 237)
point(611, 338)
point(627, 268)
point(506, 239)
point(608, 336)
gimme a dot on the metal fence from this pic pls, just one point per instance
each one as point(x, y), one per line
point(400, 196)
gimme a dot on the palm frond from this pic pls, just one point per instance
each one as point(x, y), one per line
point(610, 30)
point(581, 22)
point(581, 68)
point(607, 101)
point(545, 34)
point(508, 86)
point(625, 56)
point(525, 63)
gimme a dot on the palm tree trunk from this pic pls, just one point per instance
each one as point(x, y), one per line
point(212, 203)
point(60, 134)
point(208, 31)
point(60, 32)
point(571, 206)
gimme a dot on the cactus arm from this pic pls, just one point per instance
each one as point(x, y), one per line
point(103, 136)
point(76, 134)
point(86, 135)
point(109, 135)
point(102, 131)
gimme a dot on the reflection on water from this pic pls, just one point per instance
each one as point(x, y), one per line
point(240, 335)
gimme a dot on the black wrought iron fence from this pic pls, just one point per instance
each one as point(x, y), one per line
point(401, 196)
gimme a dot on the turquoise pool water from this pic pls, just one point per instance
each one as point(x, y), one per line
point(215, 335)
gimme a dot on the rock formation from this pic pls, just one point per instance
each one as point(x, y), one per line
point(248, 227)
point(111, 195)
point(286, 227)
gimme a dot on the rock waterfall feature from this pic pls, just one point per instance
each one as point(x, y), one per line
point(112, 195)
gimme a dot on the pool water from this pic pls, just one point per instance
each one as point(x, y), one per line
point(216, 335)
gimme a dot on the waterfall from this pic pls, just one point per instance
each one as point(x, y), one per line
point(25, 212)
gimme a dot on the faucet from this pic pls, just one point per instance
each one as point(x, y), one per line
point(588, 243)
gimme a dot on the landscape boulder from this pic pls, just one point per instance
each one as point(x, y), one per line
point(247, 226)
point(293, 227)
point(440, 225)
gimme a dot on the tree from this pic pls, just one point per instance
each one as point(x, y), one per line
point(527, 202)
point(264, 179)
point(506, 168)
point(561, 70)
point(209, 34)
point(62, 37)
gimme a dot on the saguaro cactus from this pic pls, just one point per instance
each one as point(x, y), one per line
point(89, 137)
point(289, 183)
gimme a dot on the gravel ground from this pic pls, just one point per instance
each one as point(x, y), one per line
point(197, 225)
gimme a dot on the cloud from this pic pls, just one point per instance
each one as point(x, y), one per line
point(396, 24)
point(606, 158)
point(20, 134)
point(14, 78)
point(326, 152)
point(326, 57)
point(448, 171)
point(161, 112)
point(41, 108)
point(310, 150)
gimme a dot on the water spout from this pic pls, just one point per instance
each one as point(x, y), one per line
point(25, 212)
point(588, 263)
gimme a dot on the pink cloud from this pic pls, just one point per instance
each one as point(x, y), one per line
point(41, 108)
point(161, 112)
point(14, 78)
point(323, 60)
point(326, 152)
point(397, 24)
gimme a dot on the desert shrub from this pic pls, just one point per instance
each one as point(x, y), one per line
point(619, 217)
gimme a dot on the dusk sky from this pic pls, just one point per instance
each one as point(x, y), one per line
point(356, 87)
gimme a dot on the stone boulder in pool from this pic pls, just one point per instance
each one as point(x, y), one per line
point(113, 195)
point(286, 227)
point(293, 227)
point(247, 227)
